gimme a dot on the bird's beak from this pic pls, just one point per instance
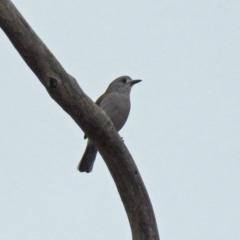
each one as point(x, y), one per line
point(134, 82)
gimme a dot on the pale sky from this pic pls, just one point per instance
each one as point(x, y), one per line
point(183, 130)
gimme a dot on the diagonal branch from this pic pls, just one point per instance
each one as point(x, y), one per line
point(65, 90)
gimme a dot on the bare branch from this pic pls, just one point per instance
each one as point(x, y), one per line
point(65, 90)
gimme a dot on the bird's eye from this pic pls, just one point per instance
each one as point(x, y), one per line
point(124, 80)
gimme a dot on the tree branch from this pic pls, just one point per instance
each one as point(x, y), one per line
point(65, 90)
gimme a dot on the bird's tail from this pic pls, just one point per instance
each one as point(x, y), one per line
point(87, 161)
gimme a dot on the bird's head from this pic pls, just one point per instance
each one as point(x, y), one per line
point(122, 84)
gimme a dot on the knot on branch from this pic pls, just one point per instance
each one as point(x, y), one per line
point(53, 82)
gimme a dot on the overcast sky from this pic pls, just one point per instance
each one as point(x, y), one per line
point(183, 130)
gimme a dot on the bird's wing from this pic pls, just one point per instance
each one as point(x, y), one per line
point(98, 102)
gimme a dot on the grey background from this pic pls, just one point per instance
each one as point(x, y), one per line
point(183, 130)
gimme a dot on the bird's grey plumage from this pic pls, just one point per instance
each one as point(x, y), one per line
point(115, 102)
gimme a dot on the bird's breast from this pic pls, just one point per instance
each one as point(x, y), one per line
point(117, 107)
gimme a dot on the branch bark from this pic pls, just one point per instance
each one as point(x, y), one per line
point(64, 89)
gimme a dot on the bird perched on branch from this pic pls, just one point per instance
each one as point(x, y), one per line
point(115, 102)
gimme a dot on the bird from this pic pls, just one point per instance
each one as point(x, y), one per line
point(115, 102)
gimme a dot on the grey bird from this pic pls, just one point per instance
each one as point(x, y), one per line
point(115, 102)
